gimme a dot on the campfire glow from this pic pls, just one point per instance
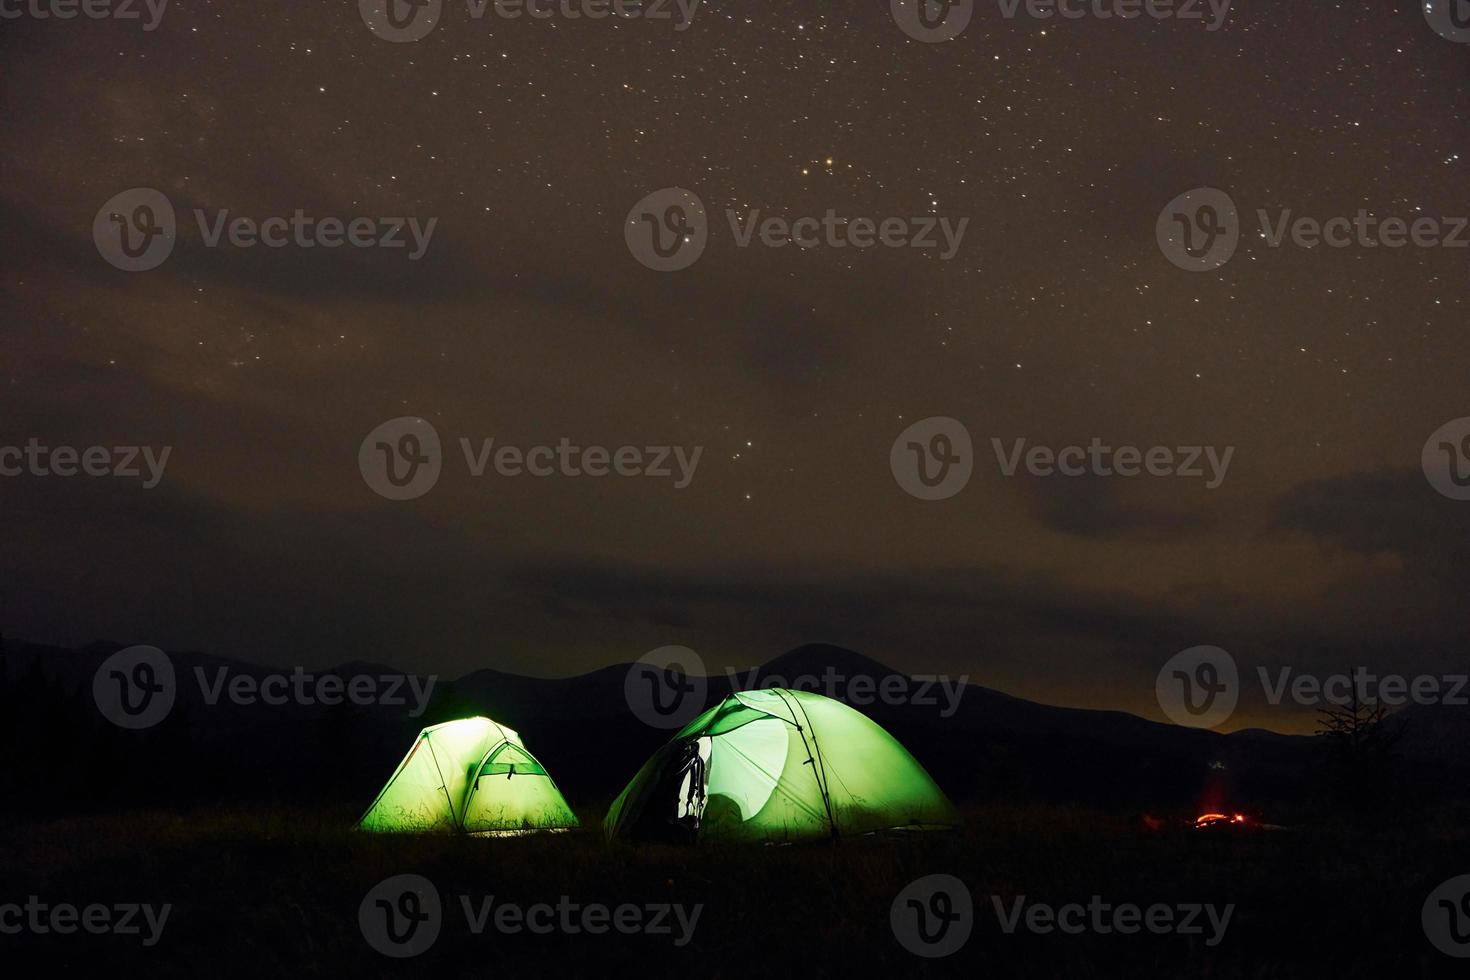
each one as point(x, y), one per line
point(1214, 819)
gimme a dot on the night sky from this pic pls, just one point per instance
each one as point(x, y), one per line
point(528, 320)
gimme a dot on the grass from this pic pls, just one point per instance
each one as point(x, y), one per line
point(277, 893)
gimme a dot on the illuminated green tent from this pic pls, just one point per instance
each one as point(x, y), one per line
point(473, 776)
point(771, 765)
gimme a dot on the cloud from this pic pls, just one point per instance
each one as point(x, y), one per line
point(1409, 584)
point(1092, 507)
point(1392, 512)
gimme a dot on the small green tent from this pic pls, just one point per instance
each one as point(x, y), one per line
point(774, 764)
point(473, 776)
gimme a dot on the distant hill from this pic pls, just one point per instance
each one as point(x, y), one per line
point(981, 745)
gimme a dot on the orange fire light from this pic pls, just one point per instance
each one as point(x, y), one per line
point(1209, 819)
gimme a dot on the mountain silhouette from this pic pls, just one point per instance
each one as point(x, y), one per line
point(981, 745)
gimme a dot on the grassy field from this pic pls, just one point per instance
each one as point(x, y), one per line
point(277, 894)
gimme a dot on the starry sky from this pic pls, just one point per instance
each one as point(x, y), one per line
point(528, 320)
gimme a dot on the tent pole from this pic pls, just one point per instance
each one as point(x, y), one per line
point(475, 784)
point(443, 785)
point(820, 777)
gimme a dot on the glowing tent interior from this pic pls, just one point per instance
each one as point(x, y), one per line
point(778, 765)
point(472, 776)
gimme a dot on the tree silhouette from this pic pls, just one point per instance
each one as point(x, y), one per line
point(1361, 742)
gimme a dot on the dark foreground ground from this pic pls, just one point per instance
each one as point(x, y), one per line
point(278, 894)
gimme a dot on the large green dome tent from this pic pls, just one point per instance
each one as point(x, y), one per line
point(778, 765)
point(472, 776)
